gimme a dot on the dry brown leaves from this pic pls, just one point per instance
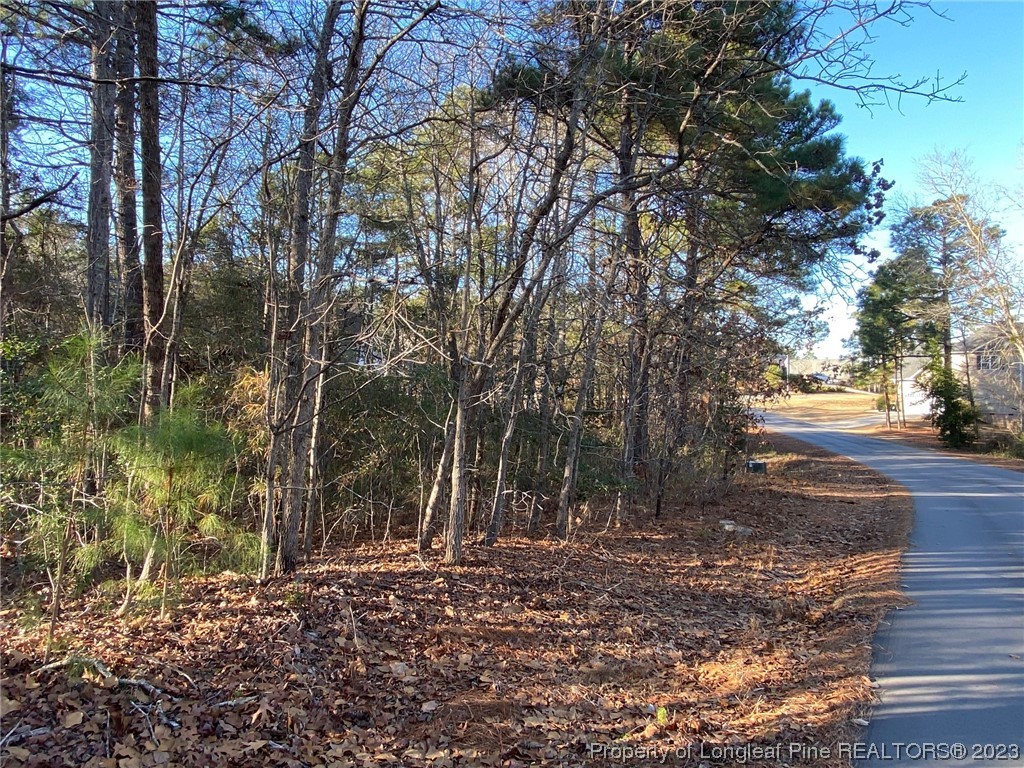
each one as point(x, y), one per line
point(652, 646)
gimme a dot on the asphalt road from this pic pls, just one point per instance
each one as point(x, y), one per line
point(950, 668)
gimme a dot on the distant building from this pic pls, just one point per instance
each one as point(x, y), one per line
point(911, 386)
point(986, 363)
point(830, 370)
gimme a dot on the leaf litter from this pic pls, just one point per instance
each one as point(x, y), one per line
point(660, 641)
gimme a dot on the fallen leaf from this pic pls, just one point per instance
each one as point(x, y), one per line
point(19, 753)
point(71, 719)
point(262, 711)
point(8, 705)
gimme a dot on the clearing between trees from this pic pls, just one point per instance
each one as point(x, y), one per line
point(675, 643)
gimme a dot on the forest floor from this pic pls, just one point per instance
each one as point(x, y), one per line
point(674, 642)
point(918, 432)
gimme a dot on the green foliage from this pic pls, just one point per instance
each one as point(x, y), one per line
point(66, 398)
point(83, 392)
point(804, 384)
point(178, 461)
point(41, 286)
point(20, 417)
point(1016, 449)
point(880, 404)
point(894, 312)
point(55, 452)
point(380, 426)
point(223, 329)
point(954, 416)
point(598, 474)
point(773, 377)
point(677, 117)
point(178, 478)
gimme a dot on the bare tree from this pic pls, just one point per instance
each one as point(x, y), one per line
point(308, 293)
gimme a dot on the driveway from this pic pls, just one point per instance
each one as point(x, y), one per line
point(950, 668)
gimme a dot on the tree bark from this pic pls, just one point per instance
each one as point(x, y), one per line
point(636, 410)
point(515, 397)
point(544, 458)
point(428, 528)
point(887, 386)
point(469, 384)
point(295, 383)
point(101, 154)
point(125, 180)
point(567, 492)
point(152, 219)
point(6, 229)
point(314, 497)
point(514, 298)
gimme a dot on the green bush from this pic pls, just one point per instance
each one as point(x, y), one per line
point(1017, 449)
point(804, 384)
point(954, 416)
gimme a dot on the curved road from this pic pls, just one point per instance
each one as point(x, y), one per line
point(950, 668)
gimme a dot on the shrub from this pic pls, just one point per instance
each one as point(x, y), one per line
point(1016, 450)
point(955, 418)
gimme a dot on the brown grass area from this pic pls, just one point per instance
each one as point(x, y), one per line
point(824, 406)
point(671, 641)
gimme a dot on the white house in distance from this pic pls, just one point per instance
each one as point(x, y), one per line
point(911, 387)
point(986, 364)
point(838, 371)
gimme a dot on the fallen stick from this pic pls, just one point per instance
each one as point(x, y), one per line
point(101, 669)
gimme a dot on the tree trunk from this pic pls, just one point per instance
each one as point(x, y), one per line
point(636, 410)
point(475, 448)
point(306, 440)
point(544, 458)
point(664, 469)
point(428, 528)
point(901, 406)
point(298, 376)
point(293, 500)
point(315, 459)
point(125, 181)
point(567, 492)
point(181, 264)
point(457, 501)
point(6, 230)
point(101, 155)
point(152, 220)
point(887, 386)
point(515, 396)
point(274, 416)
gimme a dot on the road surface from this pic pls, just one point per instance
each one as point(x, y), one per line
point(950, 668)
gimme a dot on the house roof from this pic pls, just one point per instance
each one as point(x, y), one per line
point(986, 338)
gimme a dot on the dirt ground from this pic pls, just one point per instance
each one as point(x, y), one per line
point(828, 406)
point(675, 642)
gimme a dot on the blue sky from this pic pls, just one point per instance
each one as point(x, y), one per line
point(981, 38)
